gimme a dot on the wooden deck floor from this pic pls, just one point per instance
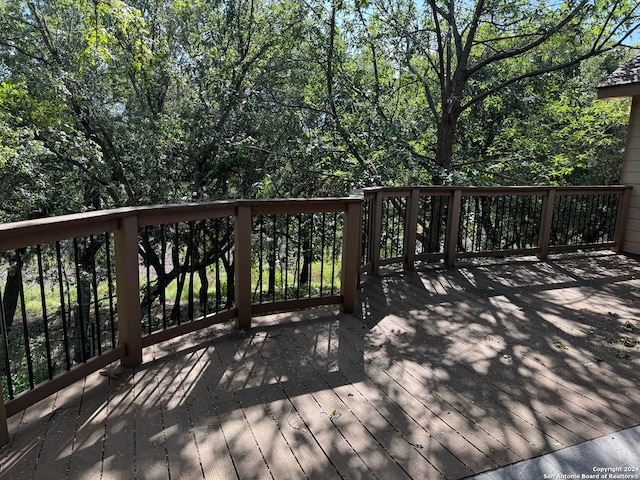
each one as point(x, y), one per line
point(443, 373)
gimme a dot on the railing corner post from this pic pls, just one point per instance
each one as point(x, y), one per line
point(351, 255)
point(242, 263)
point(128, 290)
point(410, 229)
point(453, 228)
point(376, 220)
point(621, 220)
point(544, 238)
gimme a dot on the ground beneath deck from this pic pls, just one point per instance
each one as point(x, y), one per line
point(442, 373)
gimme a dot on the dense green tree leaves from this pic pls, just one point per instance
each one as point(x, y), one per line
point(116, 103)
point(548, 130)
point(462, 54)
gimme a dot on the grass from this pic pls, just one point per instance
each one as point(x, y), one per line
point(287, 286)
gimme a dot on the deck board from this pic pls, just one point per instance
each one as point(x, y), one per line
point(442, 373)
point(88, 442)
point(119, 426)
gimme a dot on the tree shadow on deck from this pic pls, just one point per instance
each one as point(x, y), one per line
point(528, 352)
point(442, 372)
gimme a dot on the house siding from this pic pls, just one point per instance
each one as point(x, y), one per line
point(631, 176)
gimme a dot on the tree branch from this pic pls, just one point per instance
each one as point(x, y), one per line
point(534, 73)
point(515, 52)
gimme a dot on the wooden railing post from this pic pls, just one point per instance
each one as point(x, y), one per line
point(453, 228)
point(410, 229)
point(351, 240)
point(4, 430)
point(128, 290)
point(243, 266)
point(544, 237)
point(376, 232)
point(621, 220)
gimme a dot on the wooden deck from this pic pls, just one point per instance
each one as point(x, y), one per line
point(443, 373)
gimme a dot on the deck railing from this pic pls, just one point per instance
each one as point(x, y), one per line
point(83, 291)
point(406, 225)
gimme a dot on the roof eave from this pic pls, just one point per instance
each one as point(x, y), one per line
point(619, 91)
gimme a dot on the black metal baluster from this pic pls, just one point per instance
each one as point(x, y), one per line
point(97, 339)
point(230, 254)
point(514, 222)
point(274, 257)
point(555, 220)
point(298, 269)
point(45, 319)
point(110, 287)
point(260, 258)
point(561, 229)
point(80, 301)
point(218, 253)
point(573, 217)
point(191, 259)
point(504, 204)
point(589, 203)
point(370, 245)
point(514, 238)
point(323, 227)
point(63, 312)
point(578, 219)
point(25, 325)
point(428, 224)
point(147, 261)
point(600, 228)
point(163, 274)
point(177, 305)
point(474, 224)
point(463, 230)
point(365, 231)
point(530, 230)
point(310, 255)
point(394, 233)
point(525, 207)
point(205, 266)
point(286, 257)
point(391, 235)
point(282, 263)
point(334, 251)
point(5, 350)
point(385, 233)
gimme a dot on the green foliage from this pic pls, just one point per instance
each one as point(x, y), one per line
point(550, 131)
point(117, 103)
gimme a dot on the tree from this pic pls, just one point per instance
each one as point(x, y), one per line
point(548, 130)
point(464, 53)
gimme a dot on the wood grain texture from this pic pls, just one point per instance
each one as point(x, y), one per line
point(440, 373)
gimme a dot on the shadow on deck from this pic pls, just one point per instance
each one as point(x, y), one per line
point(442, 373)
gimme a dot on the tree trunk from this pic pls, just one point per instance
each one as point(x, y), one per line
point(447, 128)
point(12, 292)
point(445, 145)
point(231, 288)
point(86, 251)
point(175, 311)
point(81, 350)
point(203, 294)
point(305, 272)
point(272, 276)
